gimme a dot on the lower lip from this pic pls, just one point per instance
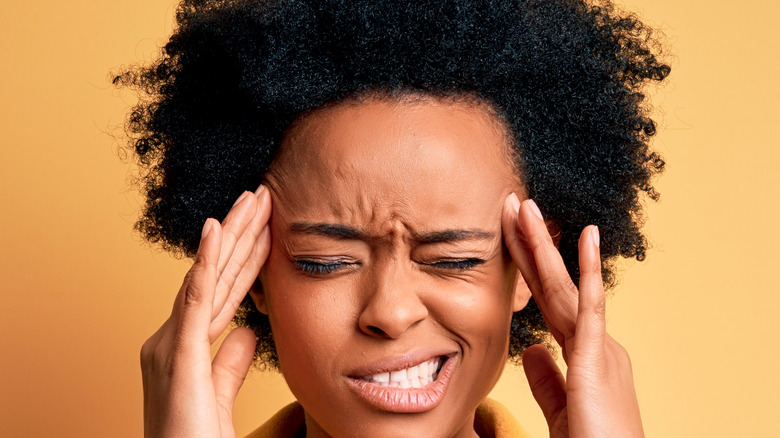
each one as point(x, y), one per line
point(409, 400)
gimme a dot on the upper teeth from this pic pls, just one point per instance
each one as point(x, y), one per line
point(418, 376)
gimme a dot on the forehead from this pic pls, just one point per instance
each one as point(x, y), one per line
point(410, 161)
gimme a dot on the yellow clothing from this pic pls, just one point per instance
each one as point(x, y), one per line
point(491, 416)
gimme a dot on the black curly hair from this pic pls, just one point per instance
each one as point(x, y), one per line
point(565, 76)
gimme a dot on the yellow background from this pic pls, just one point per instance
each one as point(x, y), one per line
point(80, 292)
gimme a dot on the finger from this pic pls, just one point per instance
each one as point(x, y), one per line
point(516, 242)
point(234, 225)
point(193, 316)
point(591, 322)
point(243, 255)
point(231, 364)
point(242, 285)
point(546, 381)
point(523, 258)
point(555, 292)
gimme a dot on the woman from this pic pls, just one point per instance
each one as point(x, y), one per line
point(387, 262)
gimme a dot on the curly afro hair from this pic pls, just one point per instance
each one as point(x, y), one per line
point(565, 76)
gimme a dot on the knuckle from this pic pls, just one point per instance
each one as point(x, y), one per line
point(155, 358)
point(600, 307)
point(621, 354)
point(188, 277)
point(232, 233)
point(152, 344)
point(618, 356)
point(192, 275)
point(590, 269)
point(147, 351)
point(232, 270)
point(193, 296)
point(559, 287)
point(160, 355)
point(196, 271)
point(233, 301)
point(194, 291)
point(164, 359)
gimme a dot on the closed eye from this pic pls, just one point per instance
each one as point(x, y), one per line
point(457, 265)
point(313, 267)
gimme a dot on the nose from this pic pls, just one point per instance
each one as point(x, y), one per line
point(392, 305)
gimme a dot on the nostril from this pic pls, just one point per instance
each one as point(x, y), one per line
point(376, 330)
point(388, 314)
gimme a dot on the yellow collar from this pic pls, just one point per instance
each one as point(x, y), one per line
point(491, 418)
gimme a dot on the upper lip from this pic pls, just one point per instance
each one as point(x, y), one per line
point(400, 362)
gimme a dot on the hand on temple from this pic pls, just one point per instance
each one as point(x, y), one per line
point(186, 394)
point(597, 397)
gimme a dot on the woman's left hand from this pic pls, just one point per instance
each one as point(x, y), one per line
point(597, 396)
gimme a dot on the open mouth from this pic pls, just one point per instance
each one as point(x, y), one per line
point(417, 388)
point(418, 376)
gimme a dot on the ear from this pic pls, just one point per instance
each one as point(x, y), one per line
point(555, 232)
point(522, 293)
point(256, 292)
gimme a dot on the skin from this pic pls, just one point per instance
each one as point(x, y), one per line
point(389, 176)
point(398, 174)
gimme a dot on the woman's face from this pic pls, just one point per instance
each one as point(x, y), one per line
point(388, 288)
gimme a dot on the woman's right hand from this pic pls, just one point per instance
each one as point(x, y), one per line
point(186, 393)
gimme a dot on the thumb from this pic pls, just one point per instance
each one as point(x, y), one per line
point(231, 364)
point(547, 383)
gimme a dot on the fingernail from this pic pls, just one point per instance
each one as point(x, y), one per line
point(240, 198)
point(206, 229)
point(594, 234)
point(260, 190)
point(514, 201)
point(535, 209)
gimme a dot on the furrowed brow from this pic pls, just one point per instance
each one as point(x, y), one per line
point(328, 230)
point(453, 236)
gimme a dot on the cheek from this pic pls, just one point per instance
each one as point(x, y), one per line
point(479, 315)
point(308, 319)
point(480, 312)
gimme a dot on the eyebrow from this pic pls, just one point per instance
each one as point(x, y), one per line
point(349, 233)
point(453, 236)
point(329, 230)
